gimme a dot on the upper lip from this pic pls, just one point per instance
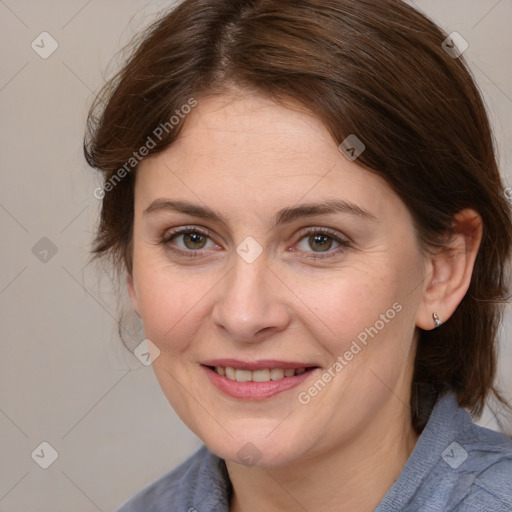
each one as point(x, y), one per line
point(256, 365)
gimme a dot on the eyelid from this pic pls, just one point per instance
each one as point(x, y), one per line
point(328, 231)
point(169, 233)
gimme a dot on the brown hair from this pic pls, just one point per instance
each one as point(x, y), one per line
point(374, 68)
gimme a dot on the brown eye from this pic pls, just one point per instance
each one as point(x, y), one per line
point(194, 240)
point(320, 242)
point(188, 240)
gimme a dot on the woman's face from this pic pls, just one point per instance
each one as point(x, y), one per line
point(259, 247)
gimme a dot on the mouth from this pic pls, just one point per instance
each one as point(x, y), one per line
point(263, 375)
point(256, 381)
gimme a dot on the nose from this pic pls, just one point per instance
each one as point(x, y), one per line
point(250, 306)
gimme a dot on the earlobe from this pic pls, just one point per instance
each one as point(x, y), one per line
point(451, 271)
point(133, 295)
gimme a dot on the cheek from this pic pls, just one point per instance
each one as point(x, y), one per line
point(170, 305)
point(365, 325)
point(345, 304)
point(365, 320)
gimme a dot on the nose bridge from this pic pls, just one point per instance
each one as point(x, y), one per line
point(247, 305)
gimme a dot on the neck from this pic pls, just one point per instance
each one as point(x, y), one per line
point(352, 476)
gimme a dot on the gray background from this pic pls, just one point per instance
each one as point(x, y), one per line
point(65, 378)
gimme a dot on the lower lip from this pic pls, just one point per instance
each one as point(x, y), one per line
point(254, 390)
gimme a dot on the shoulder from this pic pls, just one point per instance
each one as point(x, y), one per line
point(492, 488)
point(475, 467)
point(486, 471)
point(456, 466)
point(200, 478)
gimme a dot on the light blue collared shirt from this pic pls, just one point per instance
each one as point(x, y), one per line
point(456, 466)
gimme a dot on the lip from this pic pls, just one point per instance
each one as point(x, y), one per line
point(262, 364)
point(255, 390)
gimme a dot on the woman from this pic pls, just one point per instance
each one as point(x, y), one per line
point(305, 201)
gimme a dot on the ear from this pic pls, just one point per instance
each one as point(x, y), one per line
point(450, 269)
point(133, 294)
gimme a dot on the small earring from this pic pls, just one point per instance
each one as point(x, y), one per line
point(437, 322)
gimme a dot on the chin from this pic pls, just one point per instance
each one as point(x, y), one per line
point(254, 447)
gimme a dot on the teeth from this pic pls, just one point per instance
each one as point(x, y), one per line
point(243, 375)
point(265, 375)
point(261, 375)
point(276, 373)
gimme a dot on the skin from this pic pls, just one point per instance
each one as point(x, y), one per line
point(246, 157)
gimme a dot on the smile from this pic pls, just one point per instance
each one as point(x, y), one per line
point(255, 381)
point(264, 375)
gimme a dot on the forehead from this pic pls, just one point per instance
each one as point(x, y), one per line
point(248, 146)
point(254, 130)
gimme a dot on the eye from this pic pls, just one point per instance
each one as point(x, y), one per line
point(320, 243)
point(188, 239)
point(192, 240)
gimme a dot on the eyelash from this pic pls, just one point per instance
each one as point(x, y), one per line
point(343, 243)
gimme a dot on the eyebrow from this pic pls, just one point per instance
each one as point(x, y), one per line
point(288, 215)
point(284, 216)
